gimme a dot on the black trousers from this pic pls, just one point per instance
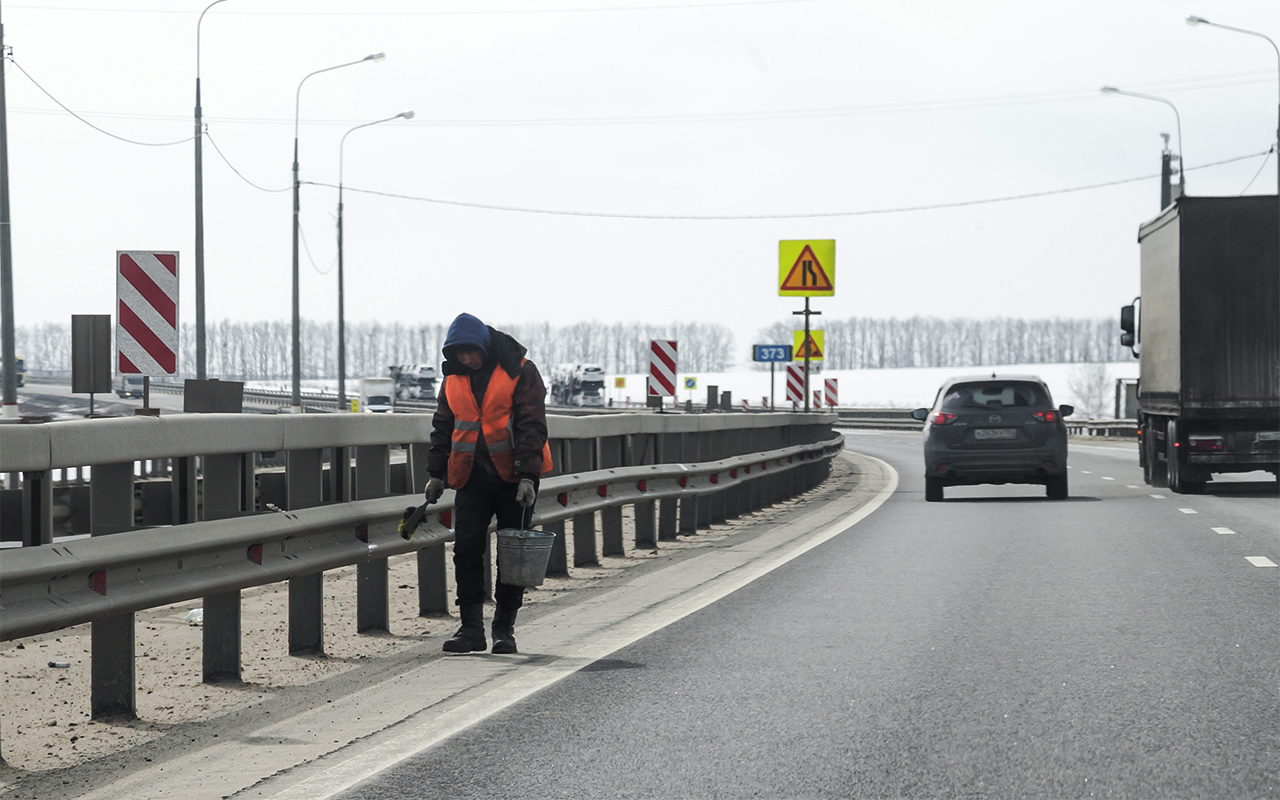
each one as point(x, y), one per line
point(475, 506)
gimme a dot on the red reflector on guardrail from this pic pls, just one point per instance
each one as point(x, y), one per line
point(733, 473)
point(715, 477)
point(563, 497)
point(446, 518)
point(764, 465)
point(603, 491)
point(789, 459)
point(362, 532)
point(748, 469)
point(683, 481)
point(255, 554)
point(98, 582)
point(643, 486)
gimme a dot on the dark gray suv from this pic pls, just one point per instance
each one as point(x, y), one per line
point(994, 430)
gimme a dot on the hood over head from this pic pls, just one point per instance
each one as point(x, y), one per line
point(466, 331)
point(500, 350)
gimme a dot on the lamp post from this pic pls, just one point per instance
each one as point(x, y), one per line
point(1182, 175)
point(342, 341)
point(1194, 21)
point(8, 365)
point(201, 372)
point(297, 322)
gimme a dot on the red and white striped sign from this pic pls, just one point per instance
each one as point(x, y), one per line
point(147, 312)
point(662, 368)
point(795, 383)
point(817, 399)
point(832, 386)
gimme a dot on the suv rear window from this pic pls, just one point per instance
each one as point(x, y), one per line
point(994, 394)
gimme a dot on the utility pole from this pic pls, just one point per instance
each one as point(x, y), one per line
point(7, 355)
point(201, 360)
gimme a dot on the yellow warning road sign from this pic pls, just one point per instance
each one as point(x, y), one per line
point(807, 268)
point(813, 347)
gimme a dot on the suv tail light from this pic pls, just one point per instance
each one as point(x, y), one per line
point(941, 418)
point(1047, 416)
point(1211, 444)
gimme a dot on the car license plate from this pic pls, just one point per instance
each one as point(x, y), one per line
point(994, 433)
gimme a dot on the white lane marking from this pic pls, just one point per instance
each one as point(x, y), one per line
point(1158, 496)
point(1260, 561)
point(1188, 511)
point(1131, 486)
point(1223, 531)
point(1105, 478)
point(416, 738)
point(1085, 472)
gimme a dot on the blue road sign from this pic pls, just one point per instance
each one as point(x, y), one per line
point(771, 352)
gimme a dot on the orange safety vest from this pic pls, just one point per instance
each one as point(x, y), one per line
point(494, 420)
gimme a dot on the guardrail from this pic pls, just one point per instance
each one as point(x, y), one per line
point(1115, 428)
point(680, 472)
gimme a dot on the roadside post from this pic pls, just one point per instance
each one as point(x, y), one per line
point(773, 354)
point(90, 355)
point(147, 317)
point(806, 269)
point(662, 372)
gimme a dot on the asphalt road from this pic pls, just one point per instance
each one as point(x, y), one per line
point(994, 645)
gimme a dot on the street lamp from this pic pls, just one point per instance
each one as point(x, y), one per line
point(1182, 175)
point(342, 341)
point(297, 322)
point(1194, 21)
point(201, 372)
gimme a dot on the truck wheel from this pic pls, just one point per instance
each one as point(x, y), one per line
point(932, 489)
point(1179, 482)
point(1154, 471)
point(1056, 487)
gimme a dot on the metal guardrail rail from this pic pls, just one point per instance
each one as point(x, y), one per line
point(48, 588)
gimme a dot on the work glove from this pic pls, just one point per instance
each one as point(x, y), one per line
point(525, 493)
point(435, 488)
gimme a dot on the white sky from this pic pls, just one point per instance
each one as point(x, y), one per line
point(129, 65)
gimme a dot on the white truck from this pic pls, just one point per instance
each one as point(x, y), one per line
point(413, 381)
point(377, 395)
point(578, 385)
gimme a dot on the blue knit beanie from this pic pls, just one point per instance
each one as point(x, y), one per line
point(466, 330)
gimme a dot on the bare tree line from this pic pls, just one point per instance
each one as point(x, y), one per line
point(261, 350)
point(879, 343)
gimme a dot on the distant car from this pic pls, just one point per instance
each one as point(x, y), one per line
point(994, 430)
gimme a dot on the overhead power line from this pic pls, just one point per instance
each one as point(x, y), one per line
point(460, 13)
point(63, 106)
point(810, 215)
point(882, 109)
point(238, 173)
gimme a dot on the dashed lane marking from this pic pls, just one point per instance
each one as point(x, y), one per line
point(1260, 561)
point(1223, 531)
point(1158, 496)
point(1131, 486)
point(1105, 478)
point(1085, 472)
point(1188, 511)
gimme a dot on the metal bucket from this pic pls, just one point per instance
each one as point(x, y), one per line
point(523, 556)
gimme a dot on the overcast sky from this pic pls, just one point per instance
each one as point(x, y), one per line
point(647, 107)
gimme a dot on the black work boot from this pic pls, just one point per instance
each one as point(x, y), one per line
point(470, 637)
point(504, 630)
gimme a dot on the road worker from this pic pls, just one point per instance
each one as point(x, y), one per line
point(489, 444)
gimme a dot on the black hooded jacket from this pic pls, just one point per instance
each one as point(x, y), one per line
point(528, 412)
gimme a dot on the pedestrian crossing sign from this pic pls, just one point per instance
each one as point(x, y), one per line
point(813, 347)
point(807, 268)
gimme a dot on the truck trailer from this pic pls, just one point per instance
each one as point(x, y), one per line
point(1206, 331)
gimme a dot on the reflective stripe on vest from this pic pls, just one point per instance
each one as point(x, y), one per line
point(493, 421)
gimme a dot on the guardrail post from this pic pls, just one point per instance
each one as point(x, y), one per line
point(112, 684)
point(668, 453)
point(417, 469)
point(611, 455)
point(184, 490)
point(642, 451)
point(558, 563)
point(690, 452)
point(37, 508)
point(373, 599)
point(433, 591)
point(224, 497)
point(580, 457)
point(340, 485)
point(304, 488)
point(703, 503)
point(718, 502)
